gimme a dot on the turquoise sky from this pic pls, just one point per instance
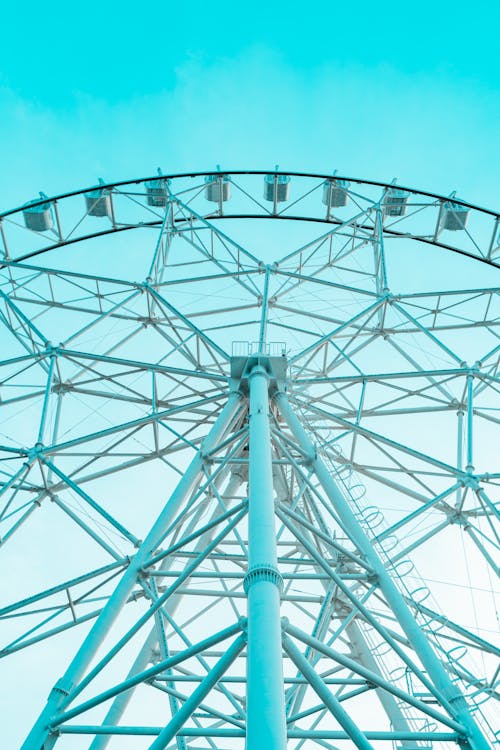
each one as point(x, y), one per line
point(375, 90)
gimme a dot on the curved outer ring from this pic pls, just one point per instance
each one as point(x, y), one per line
point(182, 175)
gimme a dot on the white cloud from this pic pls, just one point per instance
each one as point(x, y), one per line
point(254, 110)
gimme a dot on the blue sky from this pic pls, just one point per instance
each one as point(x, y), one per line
point(374, 90)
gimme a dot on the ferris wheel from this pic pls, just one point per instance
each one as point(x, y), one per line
point(249, 489)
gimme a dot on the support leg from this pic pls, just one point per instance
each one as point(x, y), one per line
point(452, 699)
point(266, 721)
point(121, 702)
point(61, 693)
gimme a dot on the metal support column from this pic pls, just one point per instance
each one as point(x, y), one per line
point(452, 698)
point(326, 696)
point(210, 680)
point(266, 720)
point(61, 692)
point(390, 705)
point(116, 710)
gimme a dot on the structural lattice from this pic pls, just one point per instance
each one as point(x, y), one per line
point(249, 482)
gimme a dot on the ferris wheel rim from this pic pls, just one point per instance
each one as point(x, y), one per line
point(250, 172)
point(235, 217)
point(388, 231)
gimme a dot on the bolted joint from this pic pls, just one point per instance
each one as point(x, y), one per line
point(456, 697)
point(61, 688)
point(143, 574)
point(243, 623)
point(263, 573)
point(311, 457)
point(35, 453)
point(259, 368)
point(470, 480)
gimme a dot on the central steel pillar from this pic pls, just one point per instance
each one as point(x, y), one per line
point(266, 720)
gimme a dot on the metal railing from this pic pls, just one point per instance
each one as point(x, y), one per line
point(249, 348)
